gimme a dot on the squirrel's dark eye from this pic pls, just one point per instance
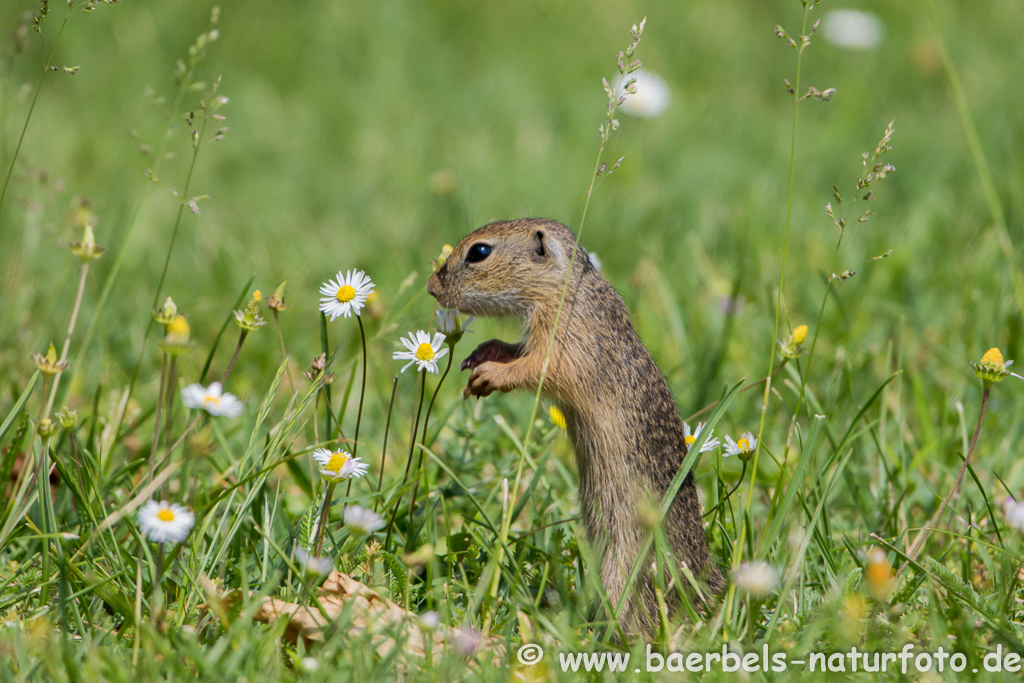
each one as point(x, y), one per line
point(478, 252)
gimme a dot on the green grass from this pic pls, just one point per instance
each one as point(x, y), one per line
point(368, 135)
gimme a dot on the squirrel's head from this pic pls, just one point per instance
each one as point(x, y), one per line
point(508, 268)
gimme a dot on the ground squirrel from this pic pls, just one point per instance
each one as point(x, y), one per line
point(620, 414)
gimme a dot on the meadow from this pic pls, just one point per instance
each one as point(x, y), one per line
point(215, 152)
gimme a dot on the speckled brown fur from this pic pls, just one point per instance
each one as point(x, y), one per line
point(621, 416)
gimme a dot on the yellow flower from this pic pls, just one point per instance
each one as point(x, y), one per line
point(176, 334)
point(992, 367)
point(799, 334)
point(878, 574)
point(250, 318)
point(557, 417)
point(791, 346)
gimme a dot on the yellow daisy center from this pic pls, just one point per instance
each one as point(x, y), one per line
point(215, 400)
point(993, 357)
point(165, 515)
point(346, 293)
point(800, 334)
point(336, 462)
point(424, 352)
point(689, 440)
point(743, 445)
point(178, 325)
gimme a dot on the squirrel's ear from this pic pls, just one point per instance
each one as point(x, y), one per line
point(543, 247)
point(538, 244)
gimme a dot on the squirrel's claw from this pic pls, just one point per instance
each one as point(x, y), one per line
point(485, 380)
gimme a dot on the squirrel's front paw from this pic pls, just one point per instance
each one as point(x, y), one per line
point(487, 378)
point(493, 350)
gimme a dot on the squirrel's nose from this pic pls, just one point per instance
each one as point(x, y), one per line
point(434, 284)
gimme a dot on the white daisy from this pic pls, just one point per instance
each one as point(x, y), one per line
point(346, 294)
point(422, 350)
point(710, 444)
point(338, 465)
point(755, 578)
point(363, 520)
point(212, 400)
point(311, 565)
point(429, 621)
point(746, 445)
point(448, 324)
point(1014, 513)
point(651, 97)
point(853, 29)
point(165, 522)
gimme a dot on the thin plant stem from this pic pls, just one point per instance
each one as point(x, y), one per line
point(362, 389)
point(172, 380)
point(426, 424)
point(43, 490)
point(234, 357)
point(185, 460)
point(138, 613)
point(71, 329)
point(156, 418)
point(158, 594)
point(915, 549)
point(42, 477)
point(408, 464)
point(384, 448)
point(47, 383)
point(729, 494)
point(316, 409)
point(284, 351)
point(359, 411)
point(325, 512)
point(737, 555)
point(325, 388)
point(78, 461)
point(412, 450)
point(32, 107)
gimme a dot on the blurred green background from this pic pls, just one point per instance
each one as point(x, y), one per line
point(370, 134)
